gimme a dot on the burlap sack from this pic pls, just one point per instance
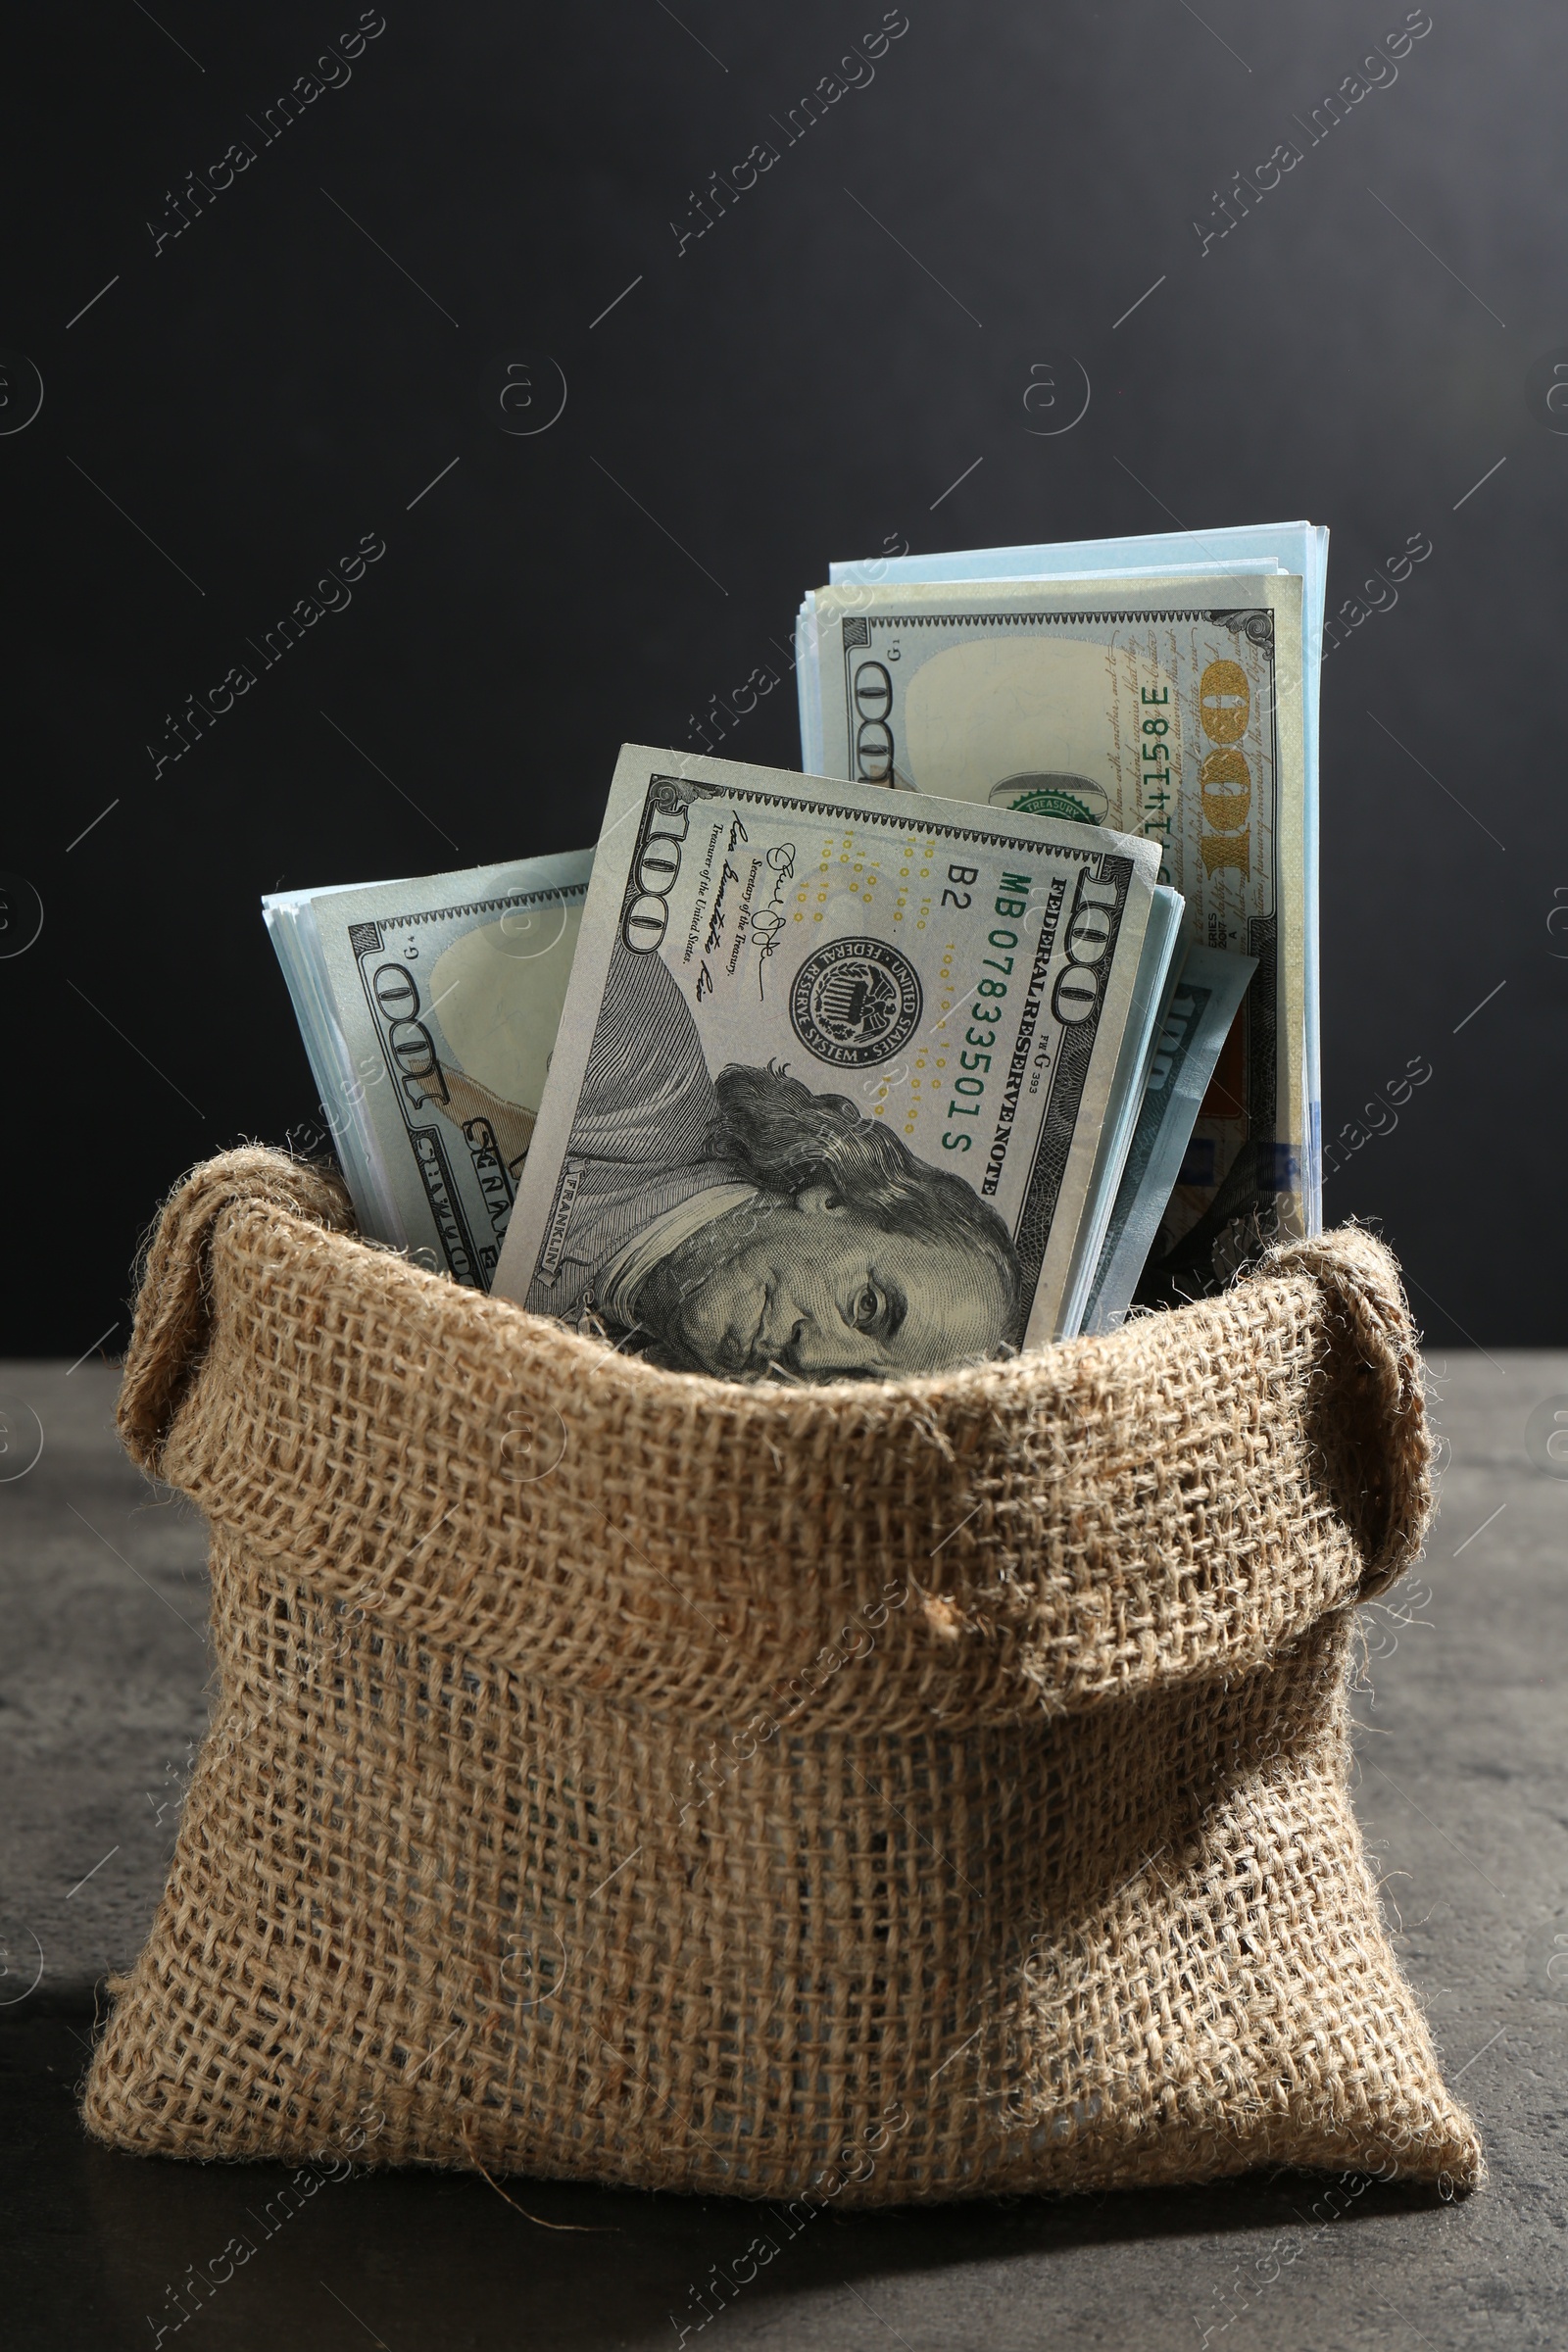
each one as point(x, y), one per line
point(890, 1793)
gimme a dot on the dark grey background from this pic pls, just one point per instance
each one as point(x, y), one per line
point(803, 382)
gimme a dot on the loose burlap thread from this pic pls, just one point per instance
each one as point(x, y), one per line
point(877, 1791)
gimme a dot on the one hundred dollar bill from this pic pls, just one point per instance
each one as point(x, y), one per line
point(1301, 548)
point(1171, 709)
point(428, 1010)
point(832, 1076)
point(1194, 1021)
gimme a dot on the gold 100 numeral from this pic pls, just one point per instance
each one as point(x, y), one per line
point(1224, 781)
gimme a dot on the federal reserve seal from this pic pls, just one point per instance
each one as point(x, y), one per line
point(855, 1003)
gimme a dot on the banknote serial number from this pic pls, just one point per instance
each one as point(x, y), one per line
point(1074, 998)
point(980, 1037)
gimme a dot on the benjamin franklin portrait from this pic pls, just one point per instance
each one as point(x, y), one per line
point(746, 1226)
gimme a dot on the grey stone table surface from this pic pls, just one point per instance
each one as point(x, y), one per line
point(1462, 1792)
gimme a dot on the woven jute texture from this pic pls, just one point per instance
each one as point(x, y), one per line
point(873, 1792)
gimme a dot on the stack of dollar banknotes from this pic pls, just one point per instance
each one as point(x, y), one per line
point(999, 1019)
